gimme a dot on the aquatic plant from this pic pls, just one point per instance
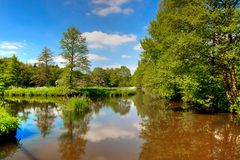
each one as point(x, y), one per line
point(79, 104)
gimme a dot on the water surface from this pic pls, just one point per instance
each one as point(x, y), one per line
point(119, 128)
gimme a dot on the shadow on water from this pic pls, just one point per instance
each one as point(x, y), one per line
point(8, 147)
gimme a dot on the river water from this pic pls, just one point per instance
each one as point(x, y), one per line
point(138, 127)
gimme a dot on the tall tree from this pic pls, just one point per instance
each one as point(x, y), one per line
point(13, 72)
point(193, 52)
point(74, 51)
point(46, 58)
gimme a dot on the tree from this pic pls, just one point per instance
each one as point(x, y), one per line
point(124, 75)
point(193, 53)
point(13, 72)
point(46, 58)
point(100, 77)
point(74, 51)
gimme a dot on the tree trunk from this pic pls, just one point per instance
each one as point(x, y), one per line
point(226, 84)
point(233, 80)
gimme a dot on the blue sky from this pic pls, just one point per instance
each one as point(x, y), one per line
point(113, 28)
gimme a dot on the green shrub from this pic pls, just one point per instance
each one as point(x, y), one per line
point(8, 124)
point(79, 104)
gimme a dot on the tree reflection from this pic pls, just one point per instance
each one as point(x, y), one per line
point(184, 135)
point(72, 142)
point(45, 117)
point(118, 105)
point(8, 148)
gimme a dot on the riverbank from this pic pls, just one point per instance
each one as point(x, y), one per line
point(8, 125)
point(60, 91)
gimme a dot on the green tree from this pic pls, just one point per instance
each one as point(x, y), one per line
point(100, 77)
point(13, 72)
point(74, 51)
point(193, 53)
point(46, 58)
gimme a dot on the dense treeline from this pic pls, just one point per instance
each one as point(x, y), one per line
point(193, 53)
point(17, 74)
point(76, 73)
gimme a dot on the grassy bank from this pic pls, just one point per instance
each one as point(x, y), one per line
point(8, 124)
point(59, 91)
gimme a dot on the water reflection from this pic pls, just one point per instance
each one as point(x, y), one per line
point(8, 148)
point(141, 127)
point(72, 142)
point(184, 135)
point(45, 117)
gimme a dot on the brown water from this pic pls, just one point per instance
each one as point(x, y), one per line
point(120, 128)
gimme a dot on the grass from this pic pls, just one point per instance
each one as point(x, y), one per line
point(39, 91)
point(60, 91)
point(8, 124)
point(79, 104)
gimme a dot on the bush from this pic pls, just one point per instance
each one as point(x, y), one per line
point(8, 124)
point(79, 104)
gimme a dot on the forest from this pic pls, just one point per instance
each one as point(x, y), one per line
point(192, 54)
point(76, 72)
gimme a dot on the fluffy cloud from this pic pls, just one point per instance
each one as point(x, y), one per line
point(138, 47)
point(131, 67)
point(3, 52)
point(110, 2)
point(111, 7)
point(32, 61)
point(126, 56)
point(98, 39)
point(100, 133)
point(96, 57)
point(11, 45)
point(59, 59)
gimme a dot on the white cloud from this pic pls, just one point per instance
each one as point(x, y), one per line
point(110, 2)
point(59, 59)
point(96, 57)
point(11, 45)
point(131, 67)
point(100, 39)
point(3, 52)
point(111, 7)
point(138, 47)
point(128, 11)
point(126, 56)
point(112, 66)
point(32, 61)
point(100, 133)
point(95, 46)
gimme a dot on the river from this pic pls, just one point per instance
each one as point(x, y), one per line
point(130, 128)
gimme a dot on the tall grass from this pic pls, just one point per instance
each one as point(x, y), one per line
point(60, 91)
point(39, 91)
point(79, 104)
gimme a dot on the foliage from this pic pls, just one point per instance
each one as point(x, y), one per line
point(62, 91)
point(74, 51)
point(118, 77)
point(192, 53)
point(79, 104)
point(8, 124)
point(45, 60)
point(39, 91)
